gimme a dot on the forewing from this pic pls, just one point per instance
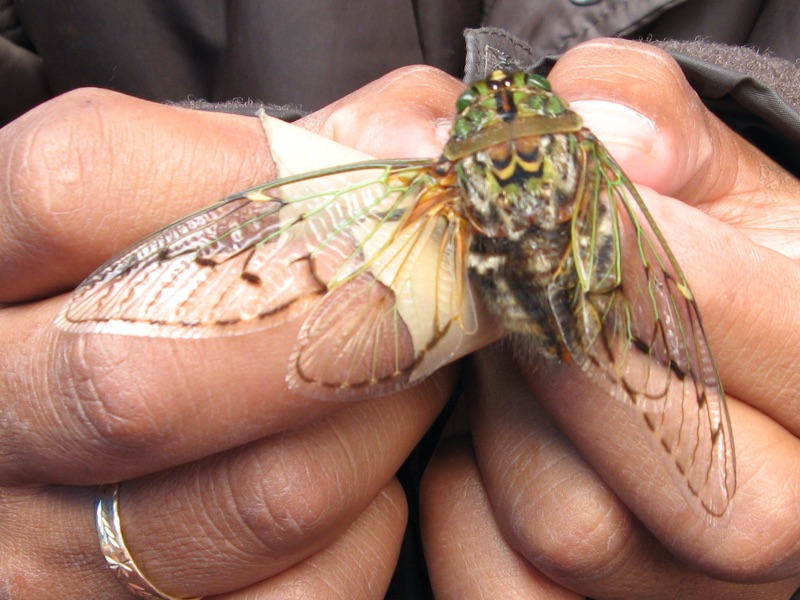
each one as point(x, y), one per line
point(251, 261)
point(644, 334)
point(375, 251)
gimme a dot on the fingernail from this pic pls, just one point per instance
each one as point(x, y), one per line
point(615, 124)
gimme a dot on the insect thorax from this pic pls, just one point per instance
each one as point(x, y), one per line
point(521, 186)
point(519, 196)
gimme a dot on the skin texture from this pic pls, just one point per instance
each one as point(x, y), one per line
point(248, 491)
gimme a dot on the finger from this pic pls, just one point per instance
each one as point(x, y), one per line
point(747, 298)
point(759, 540)
point(235, 519)
point(357, 566)
point(47, 532)
point(636, 99)
point(416, 110)
point(554, 509)
point(467, 556)
point(272, 504)
point(92, 171)
point(95, 408)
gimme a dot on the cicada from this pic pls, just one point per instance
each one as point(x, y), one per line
point(525, 223)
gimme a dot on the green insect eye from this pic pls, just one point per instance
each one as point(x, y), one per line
point(538, 80)
point(465, 99)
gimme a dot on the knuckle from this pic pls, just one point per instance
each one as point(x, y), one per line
point(82, 414)
point(589, 542)
point(289, 506)
point(51, 155)
point(114, 413)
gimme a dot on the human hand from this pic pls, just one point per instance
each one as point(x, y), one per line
point(527, 511)
point(229, 481)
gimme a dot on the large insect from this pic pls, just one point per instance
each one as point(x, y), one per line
point(525, 218)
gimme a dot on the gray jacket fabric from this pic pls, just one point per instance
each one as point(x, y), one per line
point(308, 53)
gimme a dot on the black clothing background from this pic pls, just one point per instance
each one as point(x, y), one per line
point(308, 53)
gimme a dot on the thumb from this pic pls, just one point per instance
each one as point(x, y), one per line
point(404, 114)
point(635, 98)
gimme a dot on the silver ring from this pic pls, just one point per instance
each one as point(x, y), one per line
point(113, 547)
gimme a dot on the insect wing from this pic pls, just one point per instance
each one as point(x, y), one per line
point(396, 322)
point(386, 277)
point(241, 264)
point(644, 333)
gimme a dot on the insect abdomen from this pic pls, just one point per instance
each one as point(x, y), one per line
point(515, 279)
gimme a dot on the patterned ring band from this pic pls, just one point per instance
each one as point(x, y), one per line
point(113, 546)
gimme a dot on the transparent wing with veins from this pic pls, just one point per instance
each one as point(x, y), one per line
point(643, 332)
point(374, 251)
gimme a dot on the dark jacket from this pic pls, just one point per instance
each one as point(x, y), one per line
point(308, 53)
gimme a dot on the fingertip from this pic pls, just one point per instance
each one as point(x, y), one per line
point(404, 114)
point(629, 72)
point(635, 98)
point(404, 135)
point(394, 131)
